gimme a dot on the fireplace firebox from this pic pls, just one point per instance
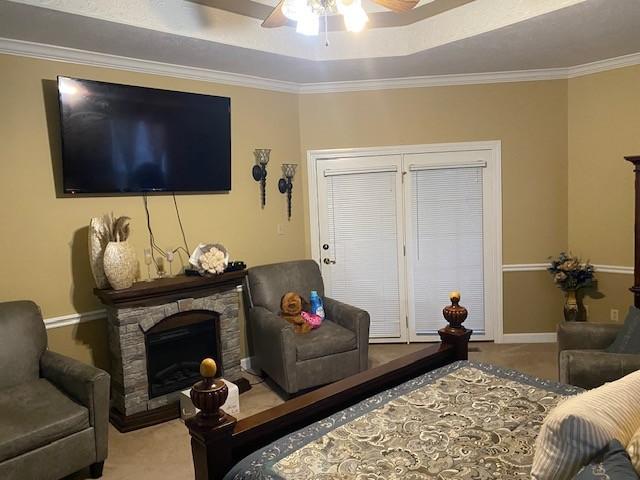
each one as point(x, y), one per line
point(175, 347)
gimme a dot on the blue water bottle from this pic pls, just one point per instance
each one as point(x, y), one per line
point(316, 304)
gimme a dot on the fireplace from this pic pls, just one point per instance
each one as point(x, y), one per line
point(175, 347)
point(159, 332)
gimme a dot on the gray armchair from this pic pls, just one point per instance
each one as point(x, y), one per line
point(54, 410)
point(582, 360)
point(337, 349)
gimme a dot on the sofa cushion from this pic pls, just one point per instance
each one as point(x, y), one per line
point(628, 338)
point(582, 426)
point(329, 339)
point(34, 414)
point(612, 463)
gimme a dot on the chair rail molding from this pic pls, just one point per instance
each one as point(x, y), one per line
point(82, 317)
point(74, 319)
point(535, 267)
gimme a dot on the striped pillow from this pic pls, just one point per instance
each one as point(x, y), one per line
point(633, 449)
point(581, 426)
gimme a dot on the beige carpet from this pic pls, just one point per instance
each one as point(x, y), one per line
point(163, 451)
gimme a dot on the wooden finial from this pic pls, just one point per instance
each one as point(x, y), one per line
point(455, 314)
point(208, 368)
point(209, 394)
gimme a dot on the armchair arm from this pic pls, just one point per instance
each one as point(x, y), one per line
point(353, 318)
point(86, 384)
point(274, 344)
point(592, 368)
point(586, 336)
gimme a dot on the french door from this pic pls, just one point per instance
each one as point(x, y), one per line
point(362, 243)
point(397, 232)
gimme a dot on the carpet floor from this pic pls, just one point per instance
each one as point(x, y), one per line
point(163, 451)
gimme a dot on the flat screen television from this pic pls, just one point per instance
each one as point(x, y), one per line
point(126, 139)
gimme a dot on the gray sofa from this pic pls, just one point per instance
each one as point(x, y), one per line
point(582, 360)
point(338, 349)
point(54, 410)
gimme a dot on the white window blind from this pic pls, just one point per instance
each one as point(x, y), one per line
point(447, 220)
point(363, 239)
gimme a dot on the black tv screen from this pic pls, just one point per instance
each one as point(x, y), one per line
point(126, 139)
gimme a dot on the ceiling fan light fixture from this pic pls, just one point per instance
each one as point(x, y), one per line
point(355, 18)
point(293, 9)
point(308, 22)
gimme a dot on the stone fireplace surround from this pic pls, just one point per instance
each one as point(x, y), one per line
point(132, 312)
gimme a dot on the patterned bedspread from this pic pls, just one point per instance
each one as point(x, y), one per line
point(463, 421)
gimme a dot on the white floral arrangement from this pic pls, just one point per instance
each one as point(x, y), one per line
point(209, 258)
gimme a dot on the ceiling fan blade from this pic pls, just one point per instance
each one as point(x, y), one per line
point(397, 5)
point(276, 18)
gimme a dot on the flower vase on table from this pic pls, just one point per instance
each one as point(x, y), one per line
point(574, 310)
point(571, 275)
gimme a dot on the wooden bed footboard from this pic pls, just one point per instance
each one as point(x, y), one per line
point(219, 441)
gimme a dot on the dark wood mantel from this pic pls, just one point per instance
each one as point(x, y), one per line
point(162, 290)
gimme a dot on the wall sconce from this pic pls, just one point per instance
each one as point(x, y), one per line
point(285, 185)
point(259, 170)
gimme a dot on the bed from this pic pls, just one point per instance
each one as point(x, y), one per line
point(430, 414)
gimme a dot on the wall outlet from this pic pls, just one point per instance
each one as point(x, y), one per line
point(280, 229)
point(614, 315)
point(586, 311)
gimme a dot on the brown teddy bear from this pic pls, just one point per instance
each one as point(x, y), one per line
point(292, 306)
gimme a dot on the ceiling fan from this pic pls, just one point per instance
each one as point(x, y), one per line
point(307, 13)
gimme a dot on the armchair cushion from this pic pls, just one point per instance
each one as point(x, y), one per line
point(586, 335)
point(329, 339)
point(592, 368)
point(34, 414)
point(628, 338)
point(267, 283)
point(87, 385)
point(22, 340)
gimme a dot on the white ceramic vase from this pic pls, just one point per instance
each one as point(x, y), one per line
point(97, 244)
point(120, 264)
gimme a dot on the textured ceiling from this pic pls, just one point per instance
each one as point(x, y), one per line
point(580, 33)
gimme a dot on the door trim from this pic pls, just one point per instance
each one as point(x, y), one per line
point(493, 273)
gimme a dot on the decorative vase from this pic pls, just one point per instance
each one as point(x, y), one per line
point(574, 310)
point(120, 264)
point(97, 244)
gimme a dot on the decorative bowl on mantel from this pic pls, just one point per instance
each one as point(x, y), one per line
point(209, 259)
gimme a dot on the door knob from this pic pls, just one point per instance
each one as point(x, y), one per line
point(328, 261)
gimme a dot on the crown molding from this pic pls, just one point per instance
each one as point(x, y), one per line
point(604, 65)
point(435, 81)
point(105, 60)
point(96, 59)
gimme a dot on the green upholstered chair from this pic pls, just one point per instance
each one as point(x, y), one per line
point(54, 410)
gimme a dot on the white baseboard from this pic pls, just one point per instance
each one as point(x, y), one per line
point(547, 337)
point(250, 365)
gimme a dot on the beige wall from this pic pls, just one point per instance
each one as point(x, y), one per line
point(553, 133)
point(530, 119)
point(604, 126)
point(44, 238)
